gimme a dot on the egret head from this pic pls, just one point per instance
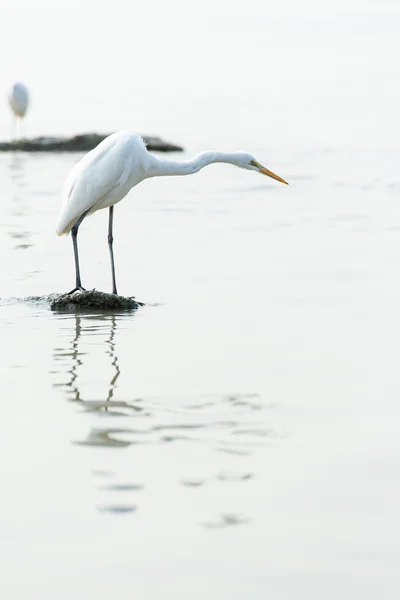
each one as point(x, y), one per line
point(247, 161)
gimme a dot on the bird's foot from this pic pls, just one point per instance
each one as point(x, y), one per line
point(78, 288)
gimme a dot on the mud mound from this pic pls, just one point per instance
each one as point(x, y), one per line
point(79, 143)
point(92, 299)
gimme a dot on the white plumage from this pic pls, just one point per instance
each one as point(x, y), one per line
point(104, 176)
point(18, 99)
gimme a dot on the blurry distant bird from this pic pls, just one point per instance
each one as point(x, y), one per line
point(105, 175)
point(18, 99)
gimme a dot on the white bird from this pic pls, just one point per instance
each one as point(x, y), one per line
point(18, 99)
point(104, 176)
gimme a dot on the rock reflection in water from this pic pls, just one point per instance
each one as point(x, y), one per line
point(225, 520)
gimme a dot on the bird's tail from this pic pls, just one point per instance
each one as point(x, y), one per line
point(64, 225)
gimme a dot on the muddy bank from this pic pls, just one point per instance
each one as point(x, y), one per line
point(79, 143)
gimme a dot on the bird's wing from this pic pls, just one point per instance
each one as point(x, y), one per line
point(96, 175)
point(18, 99)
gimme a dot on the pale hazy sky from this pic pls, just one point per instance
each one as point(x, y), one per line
point(178, 68)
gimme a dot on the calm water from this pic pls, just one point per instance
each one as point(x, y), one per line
point(238, 436)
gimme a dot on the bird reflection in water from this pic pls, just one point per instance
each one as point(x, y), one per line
point(85, 327)
point(233, 425)
point(86, 324)
point(225, 422)
point(21, 237)
point(77, 362)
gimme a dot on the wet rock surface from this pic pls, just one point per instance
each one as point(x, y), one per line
point(92, 299)
point(79, 143)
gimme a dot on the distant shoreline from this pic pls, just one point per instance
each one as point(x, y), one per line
point(79, 143)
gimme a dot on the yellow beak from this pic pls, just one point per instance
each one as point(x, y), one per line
point(265, 171)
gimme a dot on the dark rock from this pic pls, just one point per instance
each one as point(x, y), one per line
point(78, 143)
point(92, 299)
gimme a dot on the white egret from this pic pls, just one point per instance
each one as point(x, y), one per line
point(105, 175)
point(18, 99)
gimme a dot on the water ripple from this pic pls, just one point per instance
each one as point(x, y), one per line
point(185, 429)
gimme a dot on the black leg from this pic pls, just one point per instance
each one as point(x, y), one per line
point(110, 246)
point(74, 234)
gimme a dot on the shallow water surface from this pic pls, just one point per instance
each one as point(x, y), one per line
point(237, 436)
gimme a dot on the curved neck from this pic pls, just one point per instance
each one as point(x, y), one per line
point(160, 166)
